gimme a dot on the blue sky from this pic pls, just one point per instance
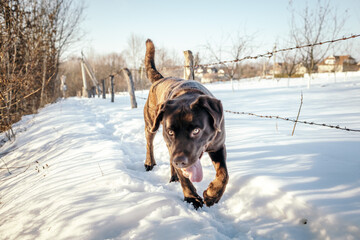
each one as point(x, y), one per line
point(183, 25)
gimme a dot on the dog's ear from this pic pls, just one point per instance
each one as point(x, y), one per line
point(213, 106)
point(160, 110)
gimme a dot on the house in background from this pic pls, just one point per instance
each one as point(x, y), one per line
point(209, 74)
point(212, 70)
point(199, 72)
point(221, 73)
point(278, 69)
point(344, 63)
point(300, 69)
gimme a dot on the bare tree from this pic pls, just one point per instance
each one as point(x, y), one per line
point(110, 64)
point(290, 61)
point(238, 47)
point(197, 59)
point(168, 62)
point(135, 57)
point(310, 26)
point(216, 51)
point(135, 50)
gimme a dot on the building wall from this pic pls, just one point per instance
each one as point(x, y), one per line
point(330, 68)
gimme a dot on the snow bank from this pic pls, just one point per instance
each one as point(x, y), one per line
point(77, 170)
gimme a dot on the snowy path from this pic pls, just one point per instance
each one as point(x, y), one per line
point(85, 178)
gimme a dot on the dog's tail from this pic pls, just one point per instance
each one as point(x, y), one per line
point(151, 72)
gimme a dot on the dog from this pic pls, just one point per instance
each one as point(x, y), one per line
point(193, 123)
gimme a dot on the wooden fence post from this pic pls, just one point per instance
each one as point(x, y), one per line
point(189, 66)
point(103, 89)
point(131, 88)
point(98, 90)
point(84, 89)
point(112, 88)
point(274, 66)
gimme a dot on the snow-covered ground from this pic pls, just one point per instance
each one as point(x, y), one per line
point(77, 170)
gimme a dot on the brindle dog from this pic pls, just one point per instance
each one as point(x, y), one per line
point(193, 123)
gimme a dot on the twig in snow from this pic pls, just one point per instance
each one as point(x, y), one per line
point(6, 166)
point(13, 176)
point(13, 167)
point(297, 118)
point(102, 174)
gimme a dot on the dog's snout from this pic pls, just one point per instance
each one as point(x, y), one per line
point(180, 161)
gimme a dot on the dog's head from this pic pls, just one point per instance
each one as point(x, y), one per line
point(189, 126)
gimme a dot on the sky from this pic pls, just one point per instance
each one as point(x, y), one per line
point(190, 25)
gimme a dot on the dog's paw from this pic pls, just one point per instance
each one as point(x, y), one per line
point(210, 200)
point(196, 202)
point(149, 167)
point(174, 178)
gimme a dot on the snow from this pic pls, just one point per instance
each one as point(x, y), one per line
point(77, 169)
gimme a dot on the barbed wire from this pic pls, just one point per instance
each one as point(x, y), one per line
point(286, 119)
point(293, 120)
point(270, 54)
point(142, 98)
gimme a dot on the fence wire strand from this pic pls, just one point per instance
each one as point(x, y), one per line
point(285, 119)
point(270, 54)
point(293, 120)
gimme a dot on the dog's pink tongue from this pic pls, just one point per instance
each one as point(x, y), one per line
point(195, 172)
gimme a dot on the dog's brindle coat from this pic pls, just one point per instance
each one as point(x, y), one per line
point(193, 123)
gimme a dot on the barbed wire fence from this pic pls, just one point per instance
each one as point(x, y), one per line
point(269, 55)
point(286, 119)
point(263, 55)
point(293, 120)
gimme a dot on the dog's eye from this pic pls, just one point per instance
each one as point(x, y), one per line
point(171, 132)
point(196, 131)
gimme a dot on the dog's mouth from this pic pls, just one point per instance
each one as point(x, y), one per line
point(194, 172)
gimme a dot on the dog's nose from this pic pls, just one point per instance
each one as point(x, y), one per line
point(180, 161)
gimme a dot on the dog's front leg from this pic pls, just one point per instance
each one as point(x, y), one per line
point(174, 177)
point(190, 194)
point(217, 187)
point(150, 160)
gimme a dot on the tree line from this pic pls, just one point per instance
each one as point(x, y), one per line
point(33, 36)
